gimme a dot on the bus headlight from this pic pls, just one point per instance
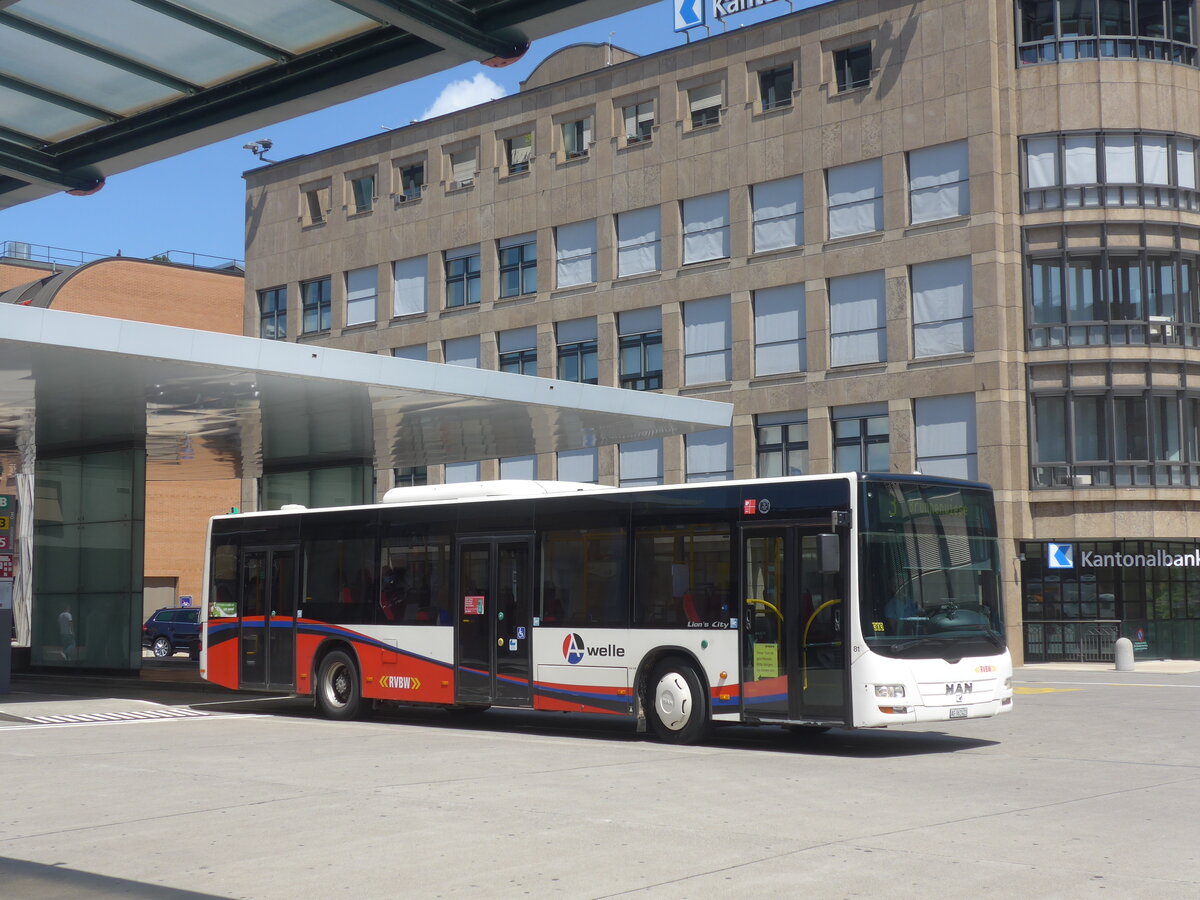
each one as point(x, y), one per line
point(889, 690)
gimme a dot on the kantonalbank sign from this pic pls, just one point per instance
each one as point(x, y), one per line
point(694, 13)
point(1063, 556)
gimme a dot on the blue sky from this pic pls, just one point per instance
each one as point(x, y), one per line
point(195, 202)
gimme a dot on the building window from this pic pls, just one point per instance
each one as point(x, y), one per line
point(518, 351)
point(463, 351)
point(942, 314)
point(857, 327)
point(708, 455)
point(1093, 169)
point(707, 343)
point(577, 137)
point(577, 360)
point(1063, 30)
point(411, 276)
point(1106, 438)
point(780, 339)
point(945, 433)
point(1112, 296)
point(411, 476)
point(462, 277)
point(575, 253)
point(579, 466)
point(640, 463)
point(462, 472)
point(640, 349)
point(518, 265)
point(775, 87)
point(316, 305)
point(639, 249)
point(413, 351)
point(777, 209)
point(639, 122)
point(362, 193)
point(706, 228)
point(855, 198)
point(272, 314)
point(860, 438)
point(704, 103)
point(521, 468)
point(463, 167)
point(518, 151)
point(938, 183)
point(782, 442)
point(315, 203)
point(852, 67)
point(362, 290)
point(412, 181)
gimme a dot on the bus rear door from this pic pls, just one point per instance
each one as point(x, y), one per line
point(268, 617)
point(494, 602)
point(793, 650)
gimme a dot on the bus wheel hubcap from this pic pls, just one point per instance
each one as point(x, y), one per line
point(673, 701)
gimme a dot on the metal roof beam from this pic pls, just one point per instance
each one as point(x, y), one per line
point(26, 164)
point(40, 93)
point(100, 54)
point(8, 136)
point(217, 29)
point(443, 24)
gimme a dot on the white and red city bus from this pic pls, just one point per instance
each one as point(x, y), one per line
point(853, 600)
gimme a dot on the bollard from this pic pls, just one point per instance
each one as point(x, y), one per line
point(1123, 653)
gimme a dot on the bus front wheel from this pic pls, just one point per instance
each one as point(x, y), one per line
point(339, 695)
point(678, 711)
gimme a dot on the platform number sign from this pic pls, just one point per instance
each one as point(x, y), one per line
point(7, 503)
point(5, 522)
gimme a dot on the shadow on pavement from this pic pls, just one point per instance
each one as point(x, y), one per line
point(852, 744)
point(21, 878)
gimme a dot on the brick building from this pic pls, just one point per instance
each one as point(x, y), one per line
point(176, 511)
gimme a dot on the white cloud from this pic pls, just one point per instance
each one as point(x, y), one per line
point(461, 94)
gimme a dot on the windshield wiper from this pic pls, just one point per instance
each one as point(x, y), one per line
point(925, 639)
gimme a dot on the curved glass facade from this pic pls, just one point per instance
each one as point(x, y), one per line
point(1090, 169)
point(1061, 30)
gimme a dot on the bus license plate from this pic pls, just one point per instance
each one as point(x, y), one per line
point(958, 712)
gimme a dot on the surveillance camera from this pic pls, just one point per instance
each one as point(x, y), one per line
point(253, 148)
point(266, 144)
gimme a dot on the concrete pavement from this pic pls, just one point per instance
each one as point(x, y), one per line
point(1090, 787)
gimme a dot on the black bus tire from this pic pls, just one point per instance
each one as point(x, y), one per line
point(339, 694)
point(676, 704)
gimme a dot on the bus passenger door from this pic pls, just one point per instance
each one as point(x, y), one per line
point(268, 618)
point(793, 653)
point(494, 603)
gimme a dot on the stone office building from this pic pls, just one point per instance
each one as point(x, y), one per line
point(953, 236)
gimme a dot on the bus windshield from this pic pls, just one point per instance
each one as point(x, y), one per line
point(930, 571)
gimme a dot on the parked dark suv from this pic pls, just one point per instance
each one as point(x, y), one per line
point(171, 630)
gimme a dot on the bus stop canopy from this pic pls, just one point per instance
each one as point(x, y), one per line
point(91, 89)
point(212, 405)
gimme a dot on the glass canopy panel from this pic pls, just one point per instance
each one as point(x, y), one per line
point(295, 25)
point(79, 77)
point(37, 119)
point(148, 37)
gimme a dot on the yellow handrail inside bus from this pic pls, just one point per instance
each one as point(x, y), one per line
point(770, 606)
point(804, 640)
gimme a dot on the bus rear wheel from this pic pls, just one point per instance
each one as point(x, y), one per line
point(677, 708)
point(339, 695)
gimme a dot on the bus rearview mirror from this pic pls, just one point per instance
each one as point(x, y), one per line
point(829, 554)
